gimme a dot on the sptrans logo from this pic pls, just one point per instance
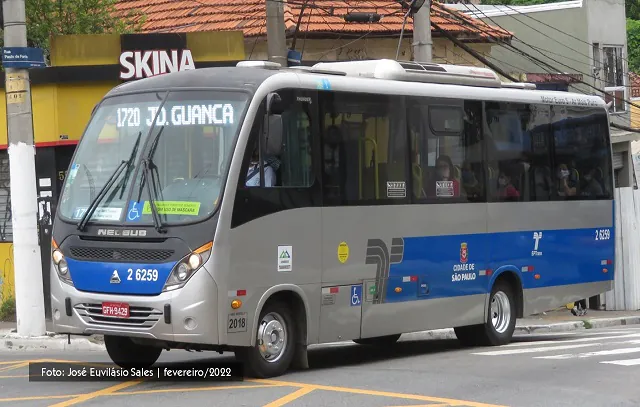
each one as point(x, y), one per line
point(464, 253)
point(141, 64)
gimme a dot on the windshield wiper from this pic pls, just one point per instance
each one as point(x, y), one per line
point(93, 205)
point(148, 173)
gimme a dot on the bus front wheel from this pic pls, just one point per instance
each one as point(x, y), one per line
point(127, 354)
point(501, 320)
point(275, 343)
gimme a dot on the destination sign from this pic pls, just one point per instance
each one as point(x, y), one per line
point(179, 115)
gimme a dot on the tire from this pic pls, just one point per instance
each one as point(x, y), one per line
point(387, 340)
point(501, 320)
point(276, 327)
point(127, 354)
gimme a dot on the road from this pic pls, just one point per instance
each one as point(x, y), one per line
point(589, 368)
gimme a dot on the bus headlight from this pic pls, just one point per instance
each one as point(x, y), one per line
point(187, 266)
point(62, 268)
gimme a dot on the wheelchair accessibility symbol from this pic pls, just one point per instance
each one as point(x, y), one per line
point(356, 295)
point(135, 211)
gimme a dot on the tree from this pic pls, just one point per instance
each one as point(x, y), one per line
point(46, 18)
point(633, 44)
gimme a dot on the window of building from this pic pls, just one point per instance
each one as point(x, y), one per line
point(364, 148)
point(613, 67)
point(446, 150)
point(581, 153)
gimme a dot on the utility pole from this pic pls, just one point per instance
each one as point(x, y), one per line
point(276, 40)
point(24, 202)
point(422, 43)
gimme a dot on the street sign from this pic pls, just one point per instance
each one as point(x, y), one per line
point(294, 58)
point(22, 57)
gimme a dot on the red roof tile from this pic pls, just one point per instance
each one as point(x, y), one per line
point(321, 17)
point(634, 78)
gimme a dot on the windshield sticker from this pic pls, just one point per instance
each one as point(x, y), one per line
point(173, 208)
point(73, 173)
point(99, 214)
point(179, 115)
point(134, 212)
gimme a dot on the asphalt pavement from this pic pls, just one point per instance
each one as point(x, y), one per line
point(595, 367)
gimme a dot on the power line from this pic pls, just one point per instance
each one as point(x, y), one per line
point(555, 68)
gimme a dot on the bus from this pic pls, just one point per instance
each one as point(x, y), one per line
point(259, 209)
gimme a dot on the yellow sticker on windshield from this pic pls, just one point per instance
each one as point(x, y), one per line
point(173, 208)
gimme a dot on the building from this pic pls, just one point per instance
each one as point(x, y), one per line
point(322, 34)
point(577, 45)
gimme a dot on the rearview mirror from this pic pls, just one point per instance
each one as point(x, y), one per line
point(272, 135)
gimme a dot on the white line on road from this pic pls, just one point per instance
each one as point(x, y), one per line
point(589, 339)
point(534, 350)
point(591, 354)
point(627, 362)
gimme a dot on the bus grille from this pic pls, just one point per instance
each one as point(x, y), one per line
point(117, 255)
point(139, 317)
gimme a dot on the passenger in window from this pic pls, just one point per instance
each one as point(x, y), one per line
point(567, 186)
point(591, 187)
point(444, 184)
point(470, 183)
point(506, 190)
point(253, 175)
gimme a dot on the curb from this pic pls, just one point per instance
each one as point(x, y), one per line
point(13, 342)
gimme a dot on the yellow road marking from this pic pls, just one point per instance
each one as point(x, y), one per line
point(92, 395)
point(290, 397)
point(378, 393)
point(191, 389)
point(29, 398)
point(14, 376)
point(424, 405)
point(13, 362)
point(16, 366)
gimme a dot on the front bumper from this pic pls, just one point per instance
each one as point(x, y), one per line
point(186, 315)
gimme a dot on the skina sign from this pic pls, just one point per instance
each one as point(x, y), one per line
point(144, 64)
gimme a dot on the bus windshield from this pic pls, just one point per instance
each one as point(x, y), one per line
point(186, 152)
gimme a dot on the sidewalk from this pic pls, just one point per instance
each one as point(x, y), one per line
point(557, 321)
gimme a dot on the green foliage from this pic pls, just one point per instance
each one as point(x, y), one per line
point(633, 44)
point(8, 310)
point(46, 18)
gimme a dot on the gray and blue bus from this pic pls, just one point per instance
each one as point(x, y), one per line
point(258, 210)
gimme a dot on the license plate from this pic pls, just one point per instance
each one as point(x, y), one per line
point(115, 309)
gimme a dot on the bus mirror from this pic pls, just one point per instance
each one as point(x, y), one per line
point(273, 135)
point(274, 104)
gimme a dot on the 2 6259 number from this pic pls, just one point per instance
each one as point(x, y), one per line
point(142, 275)
point(603, 234)
point(237, 322)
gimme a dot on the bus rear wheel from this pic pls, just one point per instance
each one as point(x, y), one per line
point(501, 320)
point(275, 343)
point(387, 340)
point(127, 354)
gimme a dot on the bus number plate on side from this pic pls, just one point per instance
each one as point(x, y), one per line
point(237, 322)
point(115, 309)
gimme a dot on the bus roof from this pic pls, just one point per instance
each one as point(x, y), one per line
point(214, 77)
point(386, 76)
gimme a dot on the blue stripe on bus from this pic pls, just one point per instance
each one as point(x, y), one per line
point(94, 276)
point(434, 267)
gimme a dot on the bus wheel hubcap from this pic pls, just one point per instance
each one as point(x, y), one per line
point(272, 337)
point(500, 311)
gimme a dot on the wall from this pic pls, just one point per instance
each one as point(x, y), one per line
point(444, 51)
point(626, 293)
point(635, 113)
point(556, 51)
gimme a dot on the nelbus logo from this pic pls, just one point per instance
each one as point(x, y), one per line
point(141, 64)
